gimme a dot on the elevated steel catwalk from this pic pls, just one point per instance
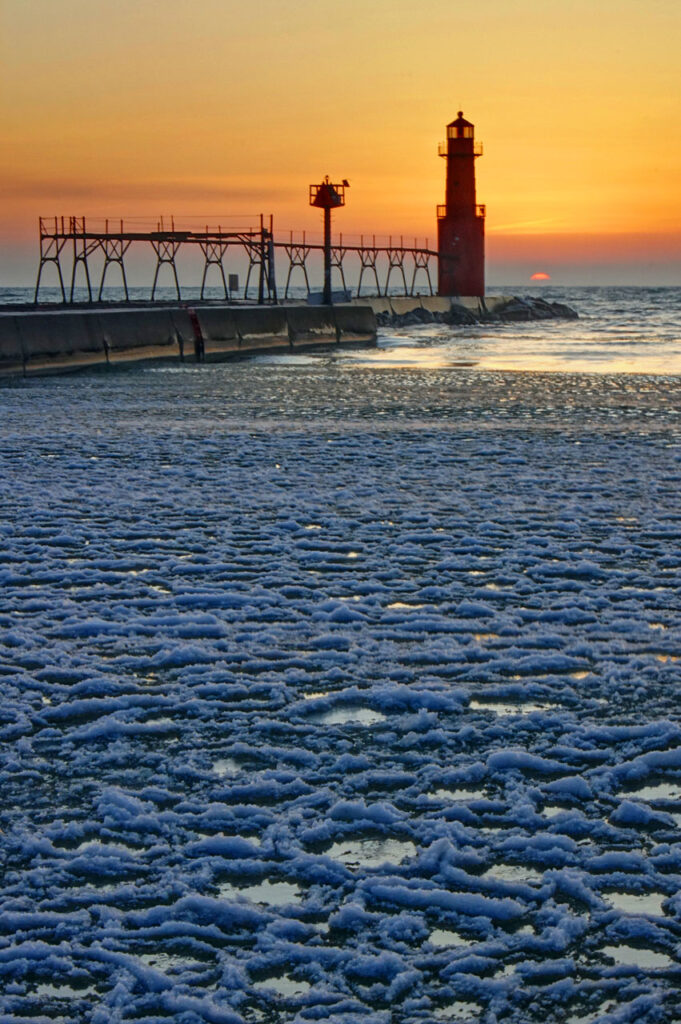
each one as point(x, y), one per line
point(60, 235)
point(57, 232)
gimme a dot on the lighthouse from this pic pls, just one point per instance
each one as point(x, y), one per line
point(461, 221)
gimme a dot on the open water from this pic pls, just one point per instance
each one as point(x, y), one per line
point(620, 330)
point(346, 687)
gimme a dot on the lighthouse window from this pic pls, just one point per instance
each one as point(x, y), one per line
point(459, 132)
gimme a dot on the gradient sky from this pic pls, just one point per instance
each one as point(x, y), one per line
point(140, 107)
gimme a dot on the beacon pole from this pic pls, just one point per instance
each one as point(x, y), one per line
point(327, 197)
point(326, 298)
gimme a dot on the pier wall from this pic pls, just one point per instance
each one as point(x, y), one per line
point(55, 340)
point(398, 305)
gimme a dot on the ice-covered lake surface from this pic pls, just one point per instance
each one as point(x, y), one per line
point(344, 690)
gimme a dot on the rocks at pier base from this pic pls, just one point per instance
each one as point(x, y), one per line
point(429, 310)
point(533, 308)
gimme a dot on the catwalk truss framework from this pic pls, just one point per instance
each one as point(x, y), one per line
point(61, 236)
point(115, 241)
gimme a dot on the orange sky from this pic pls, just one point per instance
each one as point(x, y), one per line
point(141, 107)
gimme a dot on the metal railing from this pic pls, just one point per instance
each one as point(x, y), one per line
point(443, 149)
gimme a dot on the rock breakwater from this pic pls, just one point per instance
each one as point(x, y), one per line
point(513, 309)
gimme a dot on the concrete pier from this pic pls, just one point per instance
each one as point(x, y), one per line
point(40, 341)
point(399, 305)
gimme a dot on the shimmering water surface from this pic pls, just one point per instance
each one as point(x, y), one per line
point(619, 330)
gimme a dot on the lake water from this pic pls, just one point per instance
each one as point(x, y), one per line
point(620, 330)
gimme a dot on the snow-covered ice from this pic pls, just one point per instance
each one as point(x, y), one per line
point(343, 694)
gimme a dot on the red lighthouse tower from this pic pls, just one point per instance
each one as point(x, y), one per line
point(461, 222)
